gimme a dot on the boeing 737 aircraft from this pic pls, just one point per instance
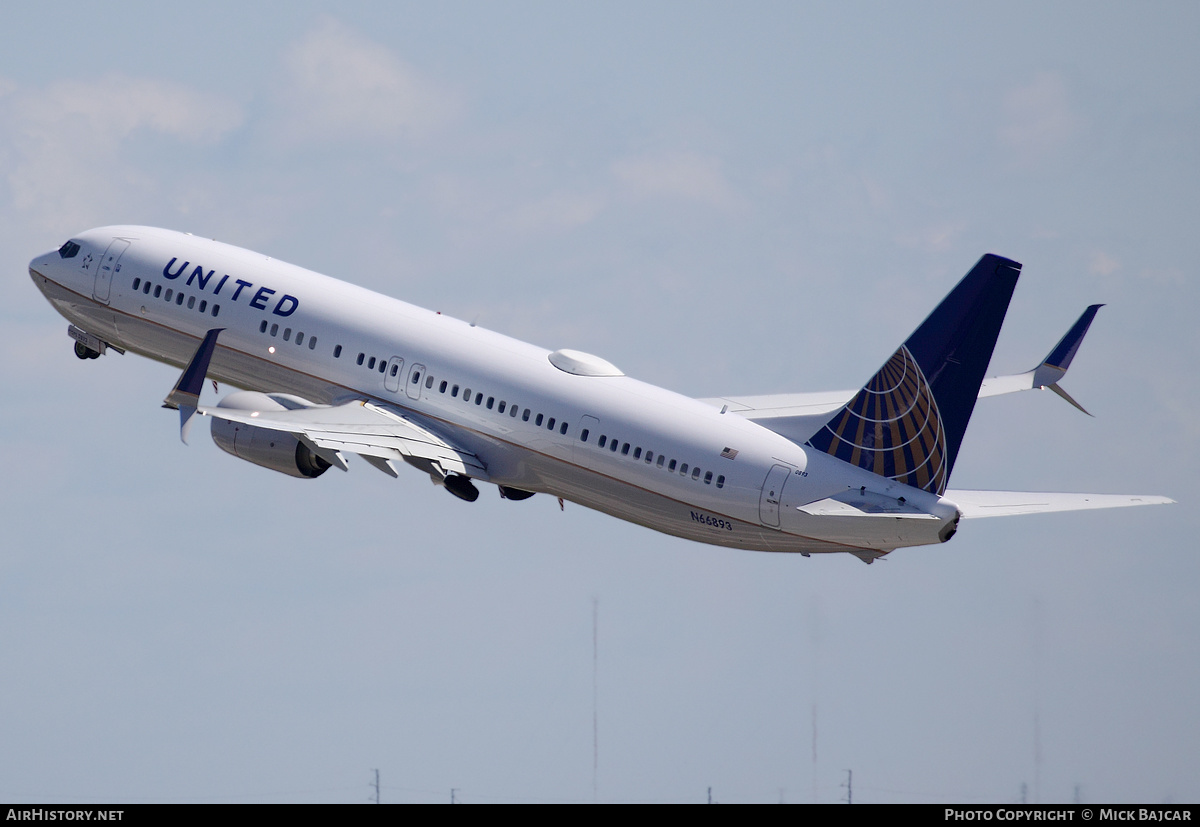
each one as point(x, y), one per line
point(330, 369)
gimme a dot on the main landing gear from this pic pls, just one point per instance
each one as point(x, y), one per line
point(85, 352)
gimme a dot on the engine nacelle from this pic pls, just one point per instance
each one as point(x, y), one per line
point(276, 450)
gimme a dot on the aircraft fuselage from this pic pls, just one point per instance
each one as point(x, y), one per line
point(578, 429)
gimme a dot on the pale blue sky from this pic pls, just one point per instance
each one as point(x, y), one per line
point(718, 198)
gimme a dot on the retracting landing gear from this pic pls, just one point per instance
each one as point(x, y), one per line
point(88, 346)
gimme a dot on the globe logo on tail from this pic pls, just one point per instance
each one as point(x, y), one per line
point(891, 428)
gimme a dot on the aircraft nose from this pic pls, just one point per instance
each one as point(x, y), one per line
point(40, 264)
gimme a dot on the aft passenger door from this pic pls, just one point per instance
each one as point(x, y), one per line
point(772, 495)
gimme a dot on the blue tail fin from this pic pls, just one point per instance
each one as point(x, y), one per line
point(908, 422)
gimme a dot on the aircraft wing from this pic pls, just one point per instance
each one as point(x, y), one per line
point(379, 434)
point(369, 430)
point(798, 416)
point(1007, 503)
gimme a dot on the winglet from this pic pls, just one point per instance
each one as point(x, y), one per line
point(185, 396)
point(1055, 365)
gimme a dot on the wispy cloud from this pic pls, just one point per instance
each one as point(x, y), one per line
point(1102, 264)
point(682, 175)
point(1038, 119)
point(63, 141)
point(341, 85)
point(934, 238)
point(556, 211)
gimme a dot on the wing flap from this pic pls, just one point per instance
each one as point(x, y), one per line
point(364, 429)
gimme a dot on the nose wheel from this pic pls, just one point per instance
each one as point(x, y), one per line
point(85, 352)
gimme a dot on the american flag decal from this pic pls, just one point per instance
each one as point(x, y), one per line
point(729, 453)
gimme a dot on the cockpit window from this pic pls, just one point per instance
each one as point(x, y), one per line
point(69, 250)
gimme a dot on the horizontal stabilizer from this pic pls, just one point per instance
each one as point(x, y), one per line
point(1008, 503)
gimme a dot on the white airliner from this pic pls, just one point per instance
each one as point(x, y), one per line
point(330, 369)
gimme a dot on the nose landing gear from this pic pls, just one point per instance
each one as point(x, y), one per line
point(88, 346)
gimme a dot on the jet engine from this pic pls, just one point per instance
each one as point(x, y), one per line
point(276, 450)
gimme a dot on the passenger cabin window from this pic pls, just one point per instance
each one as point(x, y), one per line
point(337, 352)
point(274, 329)
point(312, 343)
point(136, 282)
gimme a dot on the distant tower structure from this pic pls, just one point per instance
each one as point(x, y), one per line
point(595, 698)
